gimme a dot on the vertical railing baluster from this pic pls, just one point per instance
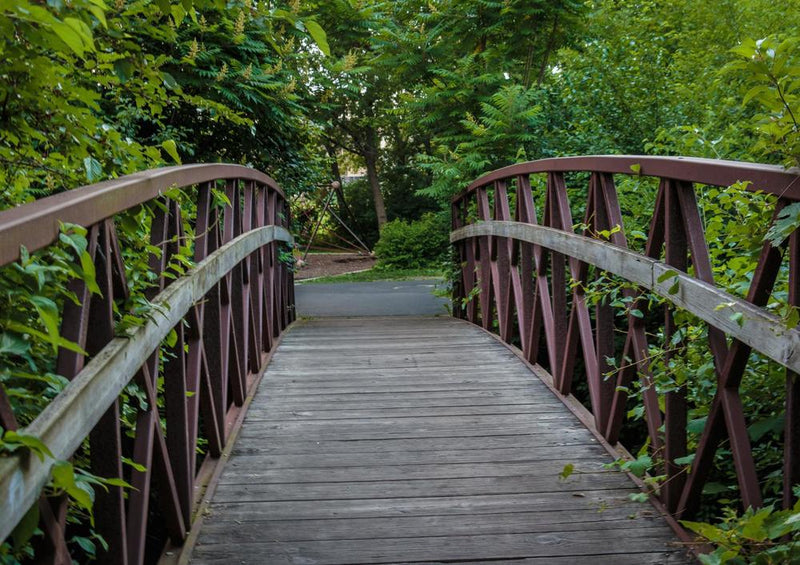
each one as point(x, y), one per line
point(194, 324)
point(231, 303)
point(472, 250)
point(271, 288)
point(244, 326)
point(791, 436)
point(286, 275)
point(676, 248)
point(175, 387)
point(105, 439)
point(501, 265)
point(215, 359)
point(460, 285)
point(266, 260)
point(485, 246)
point(524, 279)
point(257, 281)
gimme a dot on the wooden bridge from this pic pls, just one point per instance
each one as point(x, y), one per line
point(394, 440)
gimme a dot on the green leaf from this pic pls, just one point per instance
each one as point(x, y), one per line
point(98, 13)
point(638, 466)
point(26, 527)
point(787, 221)
point(116, 483)
point(171, 149)
point(708, 531)
point(792, 319)
point(760, 428)
point(169, 81)
point(676, 286)
point(89, 273)
point(565, 473)
point(178, 14)
point(11, 344)
point(172, 338)
point(83, 31)
point(793, 519)
point(59, 341)
point(70, 37)
point(714, 488)
point(164, 7)
point(284, 14)
point(93, 168)
point(737, 317)
point(685, 460)
point(754, 525)
point(668, 275)
point(48, 314)
point(133, 464)
point(636, 168)
point(753, 92)
point(318, 35)
point(33, 443)
point(86, 544)
point(64, 479)
point(124, 70)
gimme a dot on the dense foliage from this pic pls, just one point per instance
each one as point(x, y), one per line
point(414, 245)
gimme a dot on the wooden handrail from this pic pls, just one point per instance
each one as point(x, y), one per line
point(758, 328)
point(225, 314)
point(525, 271)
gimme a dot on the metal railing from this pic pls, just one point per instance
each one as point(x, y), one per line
point(224, 315)
point(525, 275)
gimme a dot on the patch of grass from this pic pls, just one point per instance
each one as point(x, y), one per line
point(379, 275)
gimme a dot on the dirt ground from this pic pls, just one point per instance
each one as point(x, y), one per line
point(326, 264)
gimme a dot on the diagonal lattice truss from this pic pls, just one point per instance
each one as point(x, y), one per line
point(525, 268)
point(226, 315)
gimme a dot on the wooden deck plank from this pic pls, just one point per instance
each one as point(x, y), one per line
point(404, 488)
point(420, 440)
point(581, 545)
point(416, 527)
point(385, 445)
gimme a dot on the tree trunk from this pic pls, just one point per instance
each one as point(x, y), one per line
point(344, 208)
point(551, 44)
point(371, 158)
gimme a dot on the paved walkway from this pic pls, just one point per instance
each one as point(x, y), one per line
point(382, 298)
point(418, 440)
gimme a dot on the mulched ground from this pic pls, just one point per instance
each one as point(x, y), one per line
point(327, 264)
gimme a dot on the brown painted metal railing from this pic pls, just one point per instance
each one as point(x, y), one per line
point(227, 312)
point(520, 266)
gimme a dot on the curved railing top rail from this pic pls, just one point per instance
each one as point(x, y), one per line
point(772, 179)
point(36, 225)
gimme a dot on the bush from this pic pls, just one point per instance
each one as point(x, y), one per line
point(414, 245)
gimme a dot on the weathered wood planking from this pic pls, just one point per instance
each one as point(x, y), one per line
point(369, 443)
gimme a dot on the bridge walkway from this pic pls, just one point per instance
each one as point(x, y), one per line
point(418, 440)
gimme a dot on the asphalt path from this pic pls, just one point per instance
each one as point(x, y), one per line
point(380, 298)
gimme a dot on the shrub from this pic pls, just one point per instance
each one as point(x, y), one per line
point(414, 245)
